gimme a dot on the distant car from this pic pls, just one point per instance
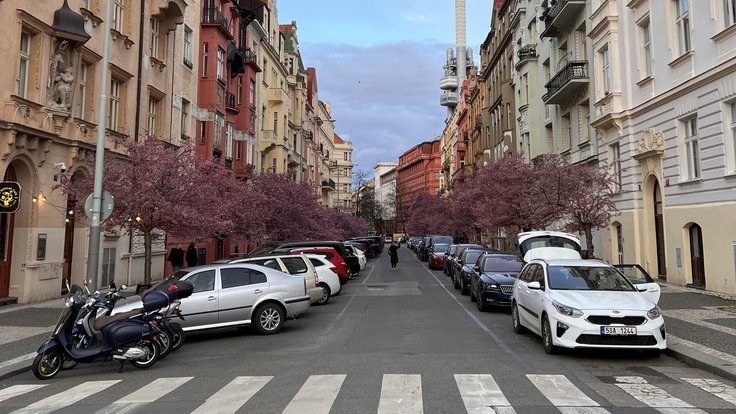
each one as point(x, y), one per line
point(458, 251)
point(331, 255)
point(230, 295)
point(329, 281)
point(437, 255)
point(492, 280)
point(464, 268)
point(639, 277)
point(362, 260)
point(388, 239)
point(449, 255)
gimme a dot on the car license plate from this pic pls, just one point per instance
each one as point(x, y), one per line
point(617, 330)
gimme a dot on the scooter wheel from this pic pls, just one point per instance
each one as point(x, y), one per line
point(164, 343)
point(47, 365)
point(153, 353)
point(177, 335)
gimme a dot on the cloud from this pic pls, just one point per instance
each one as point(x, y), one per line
point(384, 97)
point(415, 17)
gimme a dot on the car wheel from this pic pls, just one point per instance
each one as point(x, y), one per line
point(549, 346)
point(464, 290)
point(454, 283)
point(518, 327)
point(473, 296)
point(479, 302)
point(325, 294)
point(268, 319)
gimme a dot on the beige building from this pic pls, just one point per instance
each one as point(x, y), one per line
point(50, 123)
point(342, 173)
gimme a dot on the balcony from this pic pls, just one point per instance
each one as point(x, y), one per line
point(276, 95)
point(231, 102)
point(448, 83)
point(307, 135)
point(213, 16)
point(250, 58)
point(567, 82)
point(448, 99)
point(525, 54)
point(328, 185)
point(560, 15)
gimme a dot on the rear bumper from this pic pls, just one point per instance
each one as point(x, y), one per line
point(297, 306)
point(315, 294)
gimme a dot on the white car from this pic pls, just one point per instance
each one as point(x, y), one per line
point(329, 281)
point(362, 260)
point(574, 303)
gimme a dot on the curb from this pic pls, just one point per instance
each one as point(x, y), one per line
point(697, 359)
point(15, 369)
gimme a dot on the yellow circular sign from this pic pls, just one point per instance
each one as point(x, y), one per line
point(9, 196)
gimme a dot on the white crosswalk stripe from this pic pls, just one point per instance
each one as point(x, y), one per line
point(564, 395)
point(401, 394)
point(654, 396)
point(316, 395)
point(66, 398)
point(715, 387)
point(17, 390)
point(480, 392)
point(232, 396)
point(146, 395)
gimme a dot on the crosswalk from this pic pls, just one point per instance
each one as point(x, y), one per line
point(399, 393)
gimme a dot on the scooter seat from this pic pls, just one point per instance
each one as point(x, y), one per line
point(103, 321)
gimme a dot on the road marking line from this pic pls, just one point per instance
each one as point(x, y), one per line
point(17, 390)
point(560, 391)
point(145, 395)
point(715, 387)
point(401, 394)
point(316, 395)
point(654, 396)
point(481, 392)
point(66, 398)
point(22, 358)
point(232, 396)
point(369, 275)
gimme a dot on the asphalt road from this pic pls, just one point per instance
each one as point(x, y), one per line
point(392, 342)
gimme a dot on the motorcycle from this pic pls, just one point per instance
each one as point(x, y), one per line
point(120, 337)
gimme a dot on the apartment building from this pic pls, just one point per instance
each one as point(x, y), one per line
point(297, 82)
point(51, 117)
point(666, 123)
point(419, 171)
point(342, 173)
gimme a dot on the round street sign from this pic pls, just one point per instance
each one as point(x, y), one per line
point(106, 208)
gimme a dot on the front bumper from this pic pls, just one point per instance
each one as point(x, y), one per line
point(436, 262)
point(580, 333)
point(494, 298)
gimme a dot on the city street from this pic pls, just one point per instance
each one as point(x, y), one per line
point(399, 341)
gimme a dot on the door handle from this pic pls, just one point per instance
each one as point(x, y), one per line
point(211, 298)
point(258, 291)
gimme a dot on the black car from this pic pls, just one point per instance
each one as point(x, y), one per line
point(429, 242)
point(492, 279)
point(423, 250)
point(458, 251)
point(464, 268)
point(450, 252)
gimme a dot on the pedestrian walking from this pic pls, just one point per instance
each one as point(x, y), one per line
point(393, 253)
point(191, 255)
point(176, 257)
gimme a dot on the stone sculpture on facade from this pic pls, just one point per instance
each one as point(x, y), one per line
point(61, 79)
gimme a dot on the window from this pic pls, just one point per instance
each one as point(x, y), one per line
point(566, 132)
point(646, 37)
point(616, 164)
point(235, 277)
point(730, 136)
point(240, 90)
point(229, 140)
point(275, 122)
point(25, 63)
point(219, 123)
point(202, 132)
point(295, 265)
point(683, 25)
point(113, 112)
point(203, 281)
point(257, 277)
point(205, 58)
point(238, 149)
point(188, 47)
point(108, 265)
point(252, 93)
point(692, 151)
point(155, 28)
point(249, 149)
point(584, 114)
point(729, 12)
point(82, 94)
point(344, 156)
point(152, 113)
point(606, 71)
point(185, 106)
point(220, 64)
point(118, 10)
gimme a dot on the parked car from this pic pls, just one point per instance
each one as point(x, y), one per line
point(576, 303)
point(330, 254)
point(492, 279)
point(437, 255)
point(291, 264)
point(362, 260)
point(464, 268)
point(329, 281)
point(372, 246)
point(362, 246)
point(449, 254)
point(423, 250)
point(230, 295)
point(458, 251)
point(639, 277)
point(388, 239)
point(413, 242)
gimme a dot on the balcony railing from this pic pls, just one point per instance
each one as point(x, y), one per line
point(566, 82)
point(230, 101)
point(526, 52)
point(212, 15)
point(560, 15)
point(307, 135)
point(250, 57)
point(328, 184)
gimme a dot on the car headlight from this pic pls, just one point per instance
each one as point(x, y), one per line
point(567, 310)
point(489, 286)
point(654, 313)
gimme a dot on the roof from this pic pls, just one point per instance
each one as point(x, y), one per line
point(338, 140)
point(576, 262)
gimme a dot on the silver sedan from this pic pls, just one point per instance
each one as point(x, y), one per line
point(228, 295)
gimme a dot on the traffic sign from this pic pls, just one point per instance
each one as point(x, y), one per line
point(106, 209)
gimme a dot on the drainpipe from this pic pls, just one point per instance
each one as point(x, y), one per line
point(140, 71)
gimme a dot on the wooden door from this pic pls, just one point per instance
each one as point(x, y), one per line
point(696, 255)
point(7, 222)
point(68, 244)
point(659, 232)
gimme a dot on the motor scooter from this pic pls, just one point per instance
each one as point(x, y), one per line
point(123, 339)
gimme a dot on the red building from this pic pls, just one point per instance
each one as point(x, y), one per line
point(418, 171)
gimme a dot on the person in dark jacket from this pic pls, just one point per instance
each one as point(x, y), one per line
point(393, 253)
point(176, 257)
point(191, 255)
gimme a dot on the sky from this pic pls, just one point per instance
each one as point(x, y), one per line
point(379, 64)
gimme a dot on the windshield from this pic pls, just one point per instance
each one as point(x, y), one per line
point(440, 247)
point(502, 264)
point(442, 239)
point(472, 256)
point(587, 278)
point(635, 274)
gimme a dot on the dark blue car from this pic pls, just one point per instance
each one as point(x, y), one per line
point(492, 280)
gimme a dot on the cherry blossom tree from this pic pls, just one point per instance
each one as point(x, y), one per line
point(340, 225)
point(427, 214)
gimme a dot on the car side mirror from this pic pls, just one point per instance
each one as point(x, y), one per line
point(476, 268)
point(534, 285)
point(641, 288)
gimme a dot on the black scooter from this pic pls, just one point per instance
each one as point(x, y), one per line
point(123, 339)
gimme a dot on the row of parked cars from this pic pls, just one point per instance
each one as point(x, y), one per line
point(275, 282)
point(553, 292)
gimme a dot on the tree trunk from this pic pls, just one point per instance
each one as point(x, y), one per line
point(147, 256)
point(589, 241)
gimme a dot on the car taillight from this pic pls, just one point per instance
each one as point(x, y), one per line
point(334, 269)
point(343, 263)
point(316, 280)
